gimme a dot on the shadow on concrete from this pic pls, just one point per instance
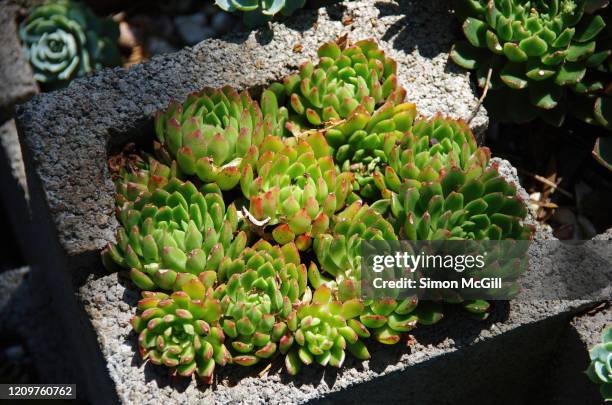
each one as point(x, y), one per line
point(565, 382)
point(413, 31)
point(497, 371)
point(301, 21)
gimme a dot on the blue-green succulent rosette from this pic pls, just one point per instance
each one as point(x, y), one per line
point(600, 369)
point(64, 39)
point(258, 12)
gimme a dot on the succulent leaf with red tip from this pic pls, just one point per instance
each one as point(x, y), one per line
point(263, 285)
point(215, 132)
point(325, 329)
point(174, 233)
point(181, 330)
point(360, 74)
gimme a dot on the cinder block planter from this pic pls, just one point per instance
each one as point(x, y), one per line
point(66, 139)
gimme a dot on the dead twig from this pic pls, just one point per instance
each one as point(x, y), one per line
point(482, 96)
point(549, 183)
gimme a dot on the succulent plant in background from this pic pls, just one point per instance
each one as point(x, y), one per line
point(360, 74)
point(263, 285)
point(173, 234)
point(600, 369)
point(535, 50)
point(214, 133)
point(325, 329)
point(64, 39)
point(181, 330)
point(258, 12)
point(296, 188)
point(593, 100)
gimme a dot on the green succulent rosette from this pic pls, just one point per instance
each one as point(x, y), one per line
point(359, 142)
point(475, 204)
point(258, 12)
point(214, 133)
point(359, 74)
point(174, 232)
point(295, 187)
point(64, 39)
point(426, 151)
point(181, 330)
point(600, 369)
point(325, 329)
point(338, 250)
point(535, 50)
point(258, 299)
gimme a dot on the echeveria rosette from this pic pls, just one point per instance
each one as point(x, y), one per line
point(360, 74)
point(263, 286)
point(181, 331)
point(600, 369)
point(64, 39)
point(214, 133)
point(174, 233)
point(258, 12)
point(359, 142)
point(536, 51)
point(325, 329)
point(472, 204)
point(426, 151)
point(296, 187)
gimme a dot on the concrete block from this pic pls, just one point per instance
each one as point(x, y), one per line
point(17, 83)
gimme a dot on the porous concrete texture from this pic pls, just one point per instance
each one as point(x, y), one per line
point(69, 131)
point(17, 83)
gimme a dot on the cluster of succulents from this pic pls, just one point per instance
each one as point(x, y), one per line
point(258, 12)
point(64, 39)
point(534, 56)
point(600, 369)
point(244, 229)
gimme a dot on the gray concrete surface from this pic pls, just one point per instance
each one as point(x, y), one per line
point(68, 131)
point(17, 83)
